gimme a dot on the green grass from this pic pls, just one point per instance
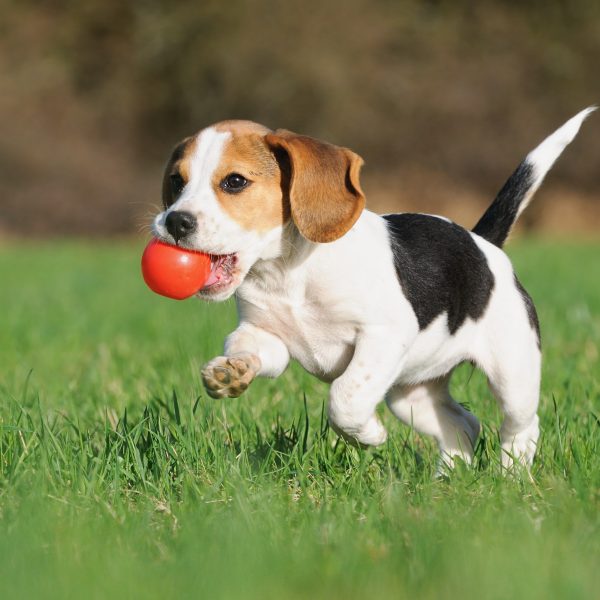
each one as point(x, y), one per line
point(120, 477)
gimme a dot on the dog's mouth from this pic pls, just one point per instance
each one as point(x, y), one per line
point(222, 271)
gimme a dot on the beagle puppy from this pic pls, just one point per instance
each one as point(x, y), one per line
point(379, 306)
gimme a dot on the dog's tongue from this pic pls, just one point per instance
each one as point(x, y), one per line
point(214, 277)
point(216, 273)
point(220, 270)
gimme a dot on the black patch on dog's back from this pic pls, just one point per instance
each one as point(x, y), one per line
point(440, 268)
point(531, 312)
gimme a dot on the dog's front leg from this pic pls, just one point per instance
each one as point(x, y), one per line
point(249, 351)
point(355, 394)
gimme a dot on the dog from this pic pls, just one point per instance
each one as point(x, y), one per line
point(379, 306)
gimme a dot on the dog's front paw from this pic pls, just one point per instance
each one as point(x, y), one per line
point(229, 376)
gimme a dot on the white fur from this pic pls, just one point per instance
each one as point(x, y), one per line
point(544, 156)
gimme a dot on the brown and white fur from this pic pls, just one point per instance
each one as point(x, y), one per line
point(320, 279)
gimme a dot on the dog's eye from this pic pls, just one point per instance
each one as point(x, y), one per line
point(234, 183)
point(177, 184)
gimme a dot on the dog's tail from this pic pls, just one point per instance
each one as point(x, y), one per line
point(516, 193)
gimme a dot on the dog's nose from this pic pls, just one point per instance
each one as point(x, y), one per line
point(180, 223)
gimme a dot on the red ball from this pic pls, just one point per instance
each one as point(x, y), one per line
point(174, 272)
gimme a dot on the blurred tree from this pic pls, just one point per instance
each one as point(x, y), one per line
point(423, 89)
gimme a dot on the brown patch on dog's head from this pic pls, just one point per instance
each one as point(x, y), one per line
point(325, 194)
point(240, 127)
point(263, 204)
point(177, 170)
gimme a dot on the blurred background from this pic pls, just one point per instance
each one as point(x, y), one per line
point(441, 98)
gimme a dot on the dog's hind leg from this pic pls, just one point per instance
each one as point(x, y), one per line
point(515, 382)
point(429, 408)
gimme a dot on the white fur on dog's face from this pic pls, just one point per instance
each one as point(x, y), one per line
point(243, 227)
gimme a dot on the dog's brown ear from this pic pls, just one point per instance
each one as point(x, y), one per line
point(324, 187)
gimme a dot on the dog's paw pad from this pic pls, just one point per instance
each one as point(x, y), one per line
point(238, 365)
point(222, 375)
point(229, 377)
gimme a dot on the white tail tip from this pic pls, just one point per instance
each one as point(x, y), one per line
point(544, 156)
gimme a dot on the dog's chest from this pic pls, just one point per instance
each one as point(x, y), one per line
point(317, 333)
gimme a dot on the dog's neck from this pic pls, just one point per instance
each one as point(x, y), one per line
point(272, 272)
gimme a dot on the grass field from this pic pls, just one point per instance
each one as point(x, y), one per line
point(119, 477)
